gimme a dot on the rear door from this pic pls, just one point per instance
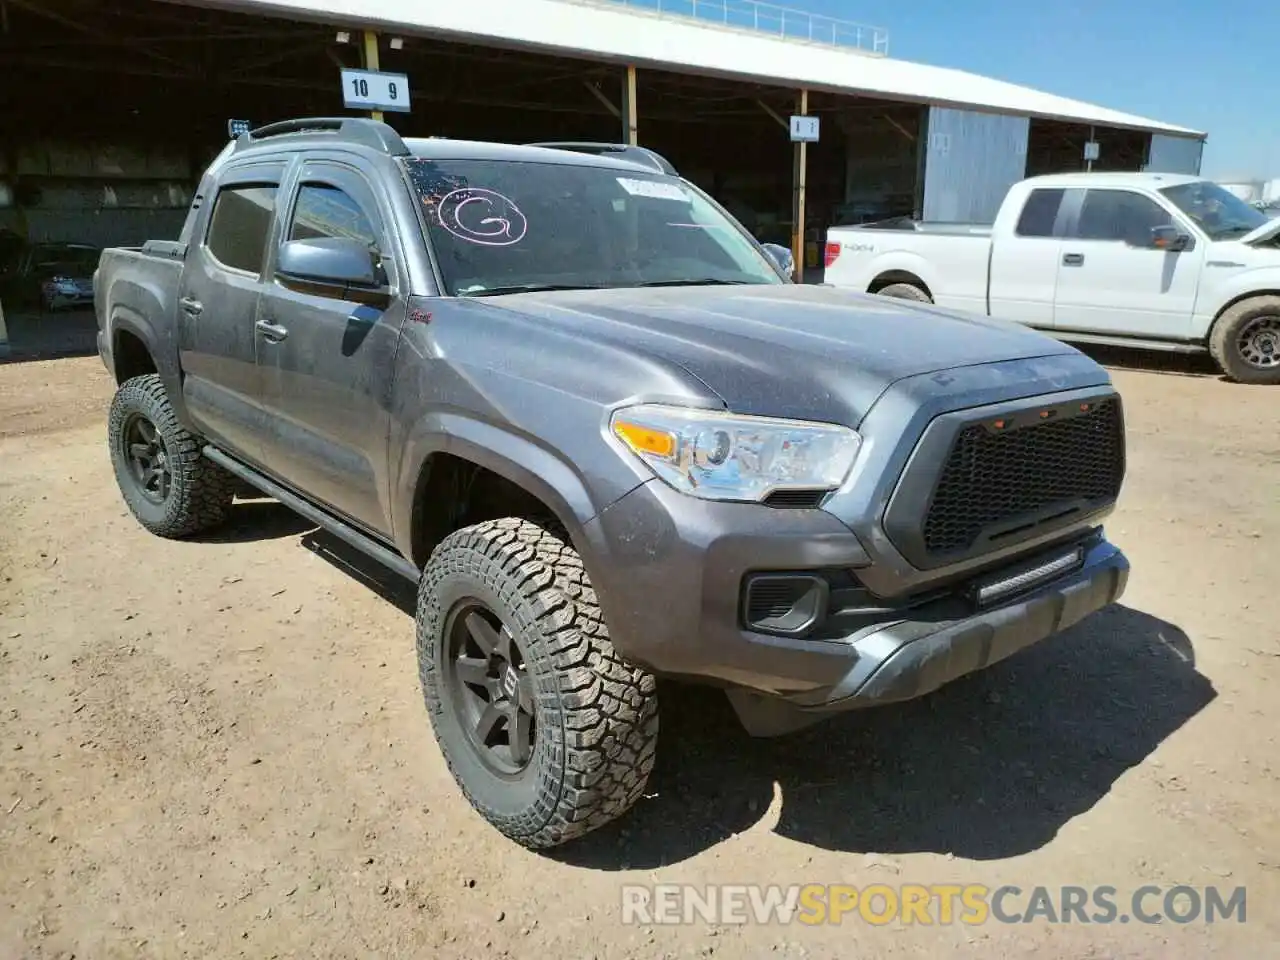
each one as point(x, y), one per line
point(1112, 281)
point(1024, 264)
point(327, 361)
point(217, 306)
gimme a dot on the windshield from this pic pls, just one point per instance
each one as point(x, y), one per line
point(504, 226)
point(1218, 212)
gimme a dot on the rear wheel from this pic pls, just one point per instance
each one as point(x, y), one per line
point(1245, 342)
point(905, 291)
point(548, 732)
point(170, 488)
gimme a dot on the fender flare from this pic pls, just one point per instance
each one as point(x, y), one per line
point(125, 319)
point(532, 467)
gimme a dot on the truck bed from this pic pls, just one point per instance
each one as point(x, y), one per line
point(136, 289)
point(953, 259)
point(907, 225)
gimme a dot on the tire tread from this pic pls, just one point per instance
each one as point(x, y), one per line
point(202, 492)
point(604, 751)
point(1222, 336)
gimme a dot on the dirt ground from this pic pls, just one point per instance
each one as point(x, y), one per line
point(219, 749)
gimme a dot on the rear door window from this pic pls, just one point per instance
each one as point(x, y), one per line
point(240, 225)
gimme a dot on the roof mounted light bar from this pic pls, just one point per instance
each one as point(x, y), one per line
point(624, 150)
point(357, 130)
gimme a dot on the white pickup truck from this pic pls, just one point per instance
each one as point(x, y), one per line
point(1150, 260)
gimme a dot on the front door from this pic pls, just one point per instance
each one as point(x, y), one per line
point(217, 307)
point(327, 361)
point(1112, 281)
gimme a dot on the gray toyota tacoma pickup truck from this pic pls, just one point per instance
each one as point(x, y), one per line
point(559, 388)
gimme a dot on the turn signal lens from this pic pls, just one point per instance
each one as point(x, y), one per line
point(645, 440)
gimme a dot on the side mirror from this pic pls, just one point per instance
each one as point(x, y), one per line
point(339, 265)
point(781, 257)
point(1169, 238)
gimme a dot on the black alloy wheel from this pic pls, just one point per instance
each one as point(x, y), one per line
point(144, 450)
point(491, 688)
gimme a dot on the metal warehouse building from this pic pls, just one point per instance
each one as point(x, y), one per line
point(111, 108)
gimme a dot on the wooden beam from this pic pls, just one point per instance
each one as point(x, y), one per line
point(798, 172)
point(774, 113)
point(630, 116)
point(371, 62)
point(900, 128)
point(596, 92)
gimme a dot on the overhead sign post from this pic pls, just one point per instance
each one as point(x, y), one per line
point(375, 91)
point(804, 131)
point(1092, 150)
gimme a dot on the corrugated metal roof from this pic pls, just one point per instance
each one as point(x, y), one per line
point(599, 31)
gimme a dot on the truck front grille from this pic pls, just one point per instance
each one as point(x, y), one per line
point(996, 483)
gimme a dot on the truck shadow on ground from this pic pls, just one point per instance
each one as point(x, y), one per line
point(253, 520)
point(990, 766)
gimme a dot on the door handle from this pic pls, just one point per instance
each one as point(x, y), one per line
point(193, 307)
point(1073, 259)
point(271, 331)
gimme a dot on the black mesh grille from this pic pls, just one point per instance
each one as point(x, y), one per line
point(771, 599)
point(992, 480)
point(795, 499)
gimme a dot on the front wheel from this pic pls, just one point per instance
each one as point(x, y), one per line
point(548, 732)
point(1245, 342)
point(170, 488)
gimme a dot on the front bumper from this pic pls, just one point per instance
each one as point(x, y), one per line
point(669, 572)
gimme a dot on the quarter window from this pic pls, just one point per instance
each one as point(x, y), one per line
point(240, 224)
point(1040, 213)
point(325, 211)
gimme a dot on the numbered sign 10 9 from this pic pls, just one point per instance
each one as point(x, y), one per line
point(372, 90)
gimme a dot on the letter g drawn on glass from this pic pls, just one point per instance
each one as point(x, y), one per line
point(482, 216)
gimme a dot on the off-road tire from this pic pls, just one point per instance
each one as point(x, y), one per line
point(200, 492)
point(1223, 340)
point(596, 716)
point(905, 291)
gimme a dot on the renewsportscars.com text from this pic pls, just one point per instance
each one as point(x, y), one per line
point(940, 904)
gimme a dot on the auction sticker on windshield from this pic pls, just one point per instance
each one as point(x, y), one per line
point(653, 188)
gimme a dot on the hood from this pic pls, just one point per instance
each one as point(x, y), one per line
point(808, 352)
point(1263, 233)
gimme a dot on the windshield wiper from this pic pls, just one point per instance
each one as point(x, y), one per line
point(701, 282)
point(529, 288)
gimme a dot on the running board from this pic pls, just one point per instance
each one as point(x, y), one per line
point(343, 531)
point(1132, 343)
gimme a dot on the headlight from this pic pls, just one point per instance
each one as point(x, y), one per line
point(720, 456)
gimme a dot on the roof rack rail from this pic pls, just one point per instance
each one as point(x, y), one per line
point(626, 150)
point(368, 133)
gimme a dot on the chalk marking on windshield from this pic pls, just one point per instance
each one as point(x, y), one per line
point(462, 213)
point(654, 189)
